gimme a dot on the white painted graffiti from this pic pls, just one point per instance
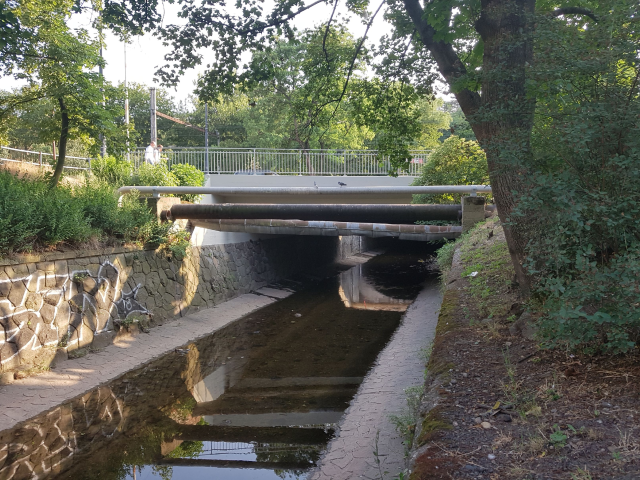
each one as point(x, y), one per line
point(49, 444)
point(33, 307)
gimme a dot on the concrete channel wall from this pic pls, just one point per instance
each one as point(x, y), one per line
point(51, 305)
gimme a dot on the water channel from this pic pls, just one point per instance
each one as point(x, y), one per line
point(259, 399)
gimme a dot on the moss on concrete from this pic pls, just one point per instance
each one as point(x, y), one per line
point(431, 425)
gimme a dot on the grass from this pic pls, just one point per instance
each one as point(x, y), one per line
point(405, 421)
point(34, 217)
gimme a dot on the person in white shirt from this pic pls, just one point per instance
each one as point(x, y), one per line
point(150, 153)
point(158, 154)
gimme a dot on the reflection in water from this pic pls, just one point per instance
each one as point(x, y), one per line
point(356, 291)
point(258, 399)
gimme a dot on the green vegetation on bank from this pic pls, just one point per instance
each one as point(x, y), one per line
point(35, 217)
point(118, 172)
point(455, 161)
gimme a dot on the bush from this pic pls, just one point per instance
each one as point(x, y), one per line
point(584, 252)
point(112, 170)
point(188, 176)
point(455, 162)
point(157, 175)
point(32, 215)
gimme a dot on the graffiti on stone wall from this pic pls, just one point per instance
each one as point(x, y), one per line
point(49, 444)
point(42, 309)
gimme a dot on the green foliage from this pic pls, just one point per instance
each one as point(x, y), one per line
point(177, 244)
point(558, 439)
point(585, 250)
point(187, 449)
point(157, 175)
point(33, 216)
point(455, 162)
point(188, 176)
point(113, 170)
point(444, 256)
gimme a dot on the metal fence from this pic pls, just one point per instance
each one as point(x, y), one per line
point(262, 161)
point(285, 162)
point(8, 154)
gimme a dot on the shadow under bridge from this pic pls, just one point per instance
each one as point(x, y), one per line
point(315, 211)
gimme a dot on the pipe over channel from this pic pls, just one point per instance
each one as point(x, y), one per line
point(362, 213)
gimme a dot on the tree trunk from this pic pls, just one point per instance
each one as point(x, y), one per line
point(505, 120)
point(502, 118)
point(62, 147)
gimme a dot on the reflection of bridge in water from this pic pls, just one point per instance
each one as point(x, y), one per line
point(358, 291)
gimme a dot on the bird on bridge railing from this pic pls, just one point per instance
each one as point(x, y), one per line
point(342, 184)
point(315, 184)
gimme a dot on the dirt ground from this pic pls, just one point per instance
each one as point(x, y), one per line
point(506, 409)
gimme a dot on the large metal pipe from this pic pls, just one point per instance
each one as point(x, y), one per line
point(332, 229)
point(392, 214)
point(226, 191)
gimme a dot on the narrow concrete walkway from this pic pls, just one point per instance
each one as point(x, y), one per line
point(31, 396)
point(366, 427)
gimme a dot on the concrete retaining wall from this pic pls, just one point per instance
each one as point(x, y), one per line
point(58, 303)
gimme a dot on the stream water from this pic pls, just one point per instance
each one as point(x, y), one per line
point(257, 400)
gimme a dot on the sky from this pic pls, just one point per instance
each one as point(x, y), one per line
point(144, 54)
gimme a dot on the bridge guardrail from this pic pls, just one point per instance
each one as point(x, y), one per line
point(249, 161)
point(8, 154)
point(264, 161)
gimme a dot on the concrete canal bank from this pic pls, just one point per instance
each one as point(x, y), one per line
point(270, 384)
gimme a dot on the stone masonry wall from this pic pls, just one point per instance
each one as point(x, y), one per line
point(61, 302)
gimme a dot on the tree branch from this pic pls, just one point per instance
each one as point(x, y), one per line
point(574, 11)
point(326, 32)
point(278, 21)
point(352, 65)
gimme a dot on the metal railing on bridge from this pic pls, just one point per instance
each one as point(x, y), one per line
point(259, 161)
point(268, 161)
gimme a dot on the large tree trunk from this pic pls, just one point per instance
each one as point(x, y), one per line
point(502, 118)
point(62, 148)
point(504, 123)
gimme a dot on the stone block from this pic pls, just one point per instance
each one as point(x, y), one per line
point(6, 308)
point(128, 258)
point(18, 293)
point(103, 339)
point(6, 378)
point(60, 356)
point(60, 267)
point(48, 267)
point(103, 319)
point(472, 211)
point(9, 356)
point(5, 284)
point(90, 319)
point(85, 336)
point(33, 301)
point(50, 280)
point(48, 313)
point(35, 282)
point(17, 271)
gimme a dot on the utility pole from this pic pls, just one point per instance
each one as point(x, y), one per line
point(152, 108)
point(206, 138)
point(126, 99)
point(103, 140)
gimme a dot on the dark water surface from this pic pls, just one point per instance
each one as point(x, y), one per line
point(258, 399)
